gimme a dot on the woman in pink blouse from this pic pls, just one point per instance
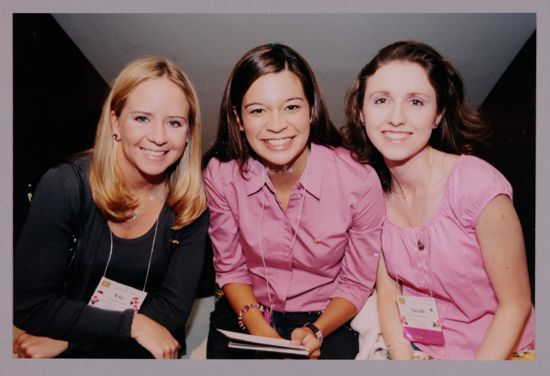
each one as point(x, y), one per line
point(295, 221)
point(453, 280)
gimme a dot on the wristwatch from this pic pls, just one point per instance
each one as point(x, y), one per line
point(316, 331)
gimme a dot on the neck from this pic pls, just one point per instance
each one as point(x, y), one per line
point(288, 175)
point(411, 175)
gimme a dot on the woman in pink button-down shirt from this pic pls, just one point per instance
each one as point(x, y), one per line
point(295, 221)
point(451, 234)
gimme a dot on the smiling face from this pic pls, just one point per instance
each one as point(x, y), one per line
point(153, 128)
point(399, 110)
point(275, 117)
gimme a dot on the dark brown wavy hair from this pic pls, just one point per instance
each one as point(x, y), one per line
point(460, 131)
point(231, 143)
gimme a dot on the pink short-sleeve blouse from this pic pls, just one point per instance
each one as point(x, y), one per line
point(451, 264)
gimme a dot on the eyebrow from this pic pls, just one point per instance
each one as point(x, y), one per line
point(387, 93)
point(287, 100)
point(150, 114)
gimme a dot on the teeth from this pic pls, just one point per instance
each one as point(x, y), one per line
point(396, 135)
point(278, 141)
point(156, 153)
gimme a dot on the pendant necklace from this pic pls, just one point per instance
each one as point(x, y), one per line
point(419, 242)
point(141, 208)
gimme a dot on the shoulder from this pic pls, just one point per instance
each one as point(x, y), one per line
point(67, 175)
point(473, 183)
point(344, 176)
point(216, 170)
point(473, 174)
point(82, 162)
point(342, 162)
point(61, 193)
point(199, 225)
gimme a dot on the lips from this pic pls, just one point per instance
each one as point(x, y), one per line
point(397, 137)
point(153, 153)
point(278, 141)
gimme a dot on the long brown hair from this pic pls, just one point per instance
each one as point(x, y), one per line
point(460, 131)
point(231, 144)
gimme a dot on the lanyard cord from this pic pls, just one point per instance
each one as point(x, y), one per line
point(150, 254)
point(419, 242)
point(267, 282)
point(399, 285)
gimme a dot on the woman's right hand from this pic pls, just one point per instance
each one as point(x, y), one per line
point(30, 346)
point(154, 337)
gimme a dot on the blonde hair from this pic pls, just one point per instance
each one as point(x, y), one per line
point(186, 194)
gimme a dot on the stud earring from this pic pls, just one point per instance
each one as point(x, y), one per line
point(116, 137)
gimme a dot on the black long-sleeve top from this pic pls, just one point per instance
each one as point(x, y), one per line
point(50, 298)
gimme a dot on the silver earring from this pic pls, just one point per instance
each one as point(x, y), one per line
point(116, 137)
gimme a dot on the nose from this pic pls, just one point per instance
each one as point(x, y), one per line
point(157, 133)
point(276, 123)
point(397, 116)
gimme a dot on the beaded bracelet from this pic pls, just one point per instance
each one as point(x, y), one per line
point(245, 309)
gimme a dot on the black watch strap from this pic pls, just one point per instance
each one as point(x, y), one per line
point(316, 331)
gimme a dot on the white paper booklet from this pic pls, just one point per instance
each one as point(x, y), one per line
point(259, 343)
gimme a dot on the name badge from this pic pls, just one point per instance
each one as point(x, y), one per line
point(114, 296)
point(420, 320)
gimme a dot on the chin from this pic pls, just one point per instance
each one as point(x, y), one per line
point(398, 157)
point(154, 170)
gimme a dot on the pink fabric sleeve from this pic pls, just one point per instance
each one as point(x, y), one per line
point(229, 260)
point(474, 186)
point(360, 262)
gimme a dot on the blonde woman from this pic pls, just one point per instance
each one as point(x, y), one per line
point(136, 204)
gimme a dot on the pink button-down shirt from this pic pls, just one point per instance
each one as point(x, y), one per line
point(337, 209)
point(451, 263)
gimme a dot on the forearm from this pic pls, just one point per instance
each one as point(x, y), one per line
point(392, 330)
point(239, 294)
point(504, 331)
point(337, 313)
point(388, 313)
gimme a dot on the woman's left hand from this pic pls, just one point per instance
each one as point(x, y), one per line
point(29, 346)
point(305, 337)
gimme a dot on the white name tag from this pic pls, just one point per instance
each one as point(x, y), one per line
point(115, 296)
point(420, 319)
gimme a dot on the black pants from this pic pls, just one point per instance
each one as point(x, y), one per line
point(341, 344)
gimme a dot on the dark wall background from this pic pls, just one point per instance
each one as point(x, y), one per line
point(510, 109)
point(58, 97)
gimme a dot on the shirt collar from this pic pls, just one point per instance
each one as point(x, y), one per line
point(254, 178)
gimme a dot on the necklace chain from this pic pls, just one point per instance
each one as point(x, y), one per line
point(150, 253)
point(419, 243)
point(160, 196)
